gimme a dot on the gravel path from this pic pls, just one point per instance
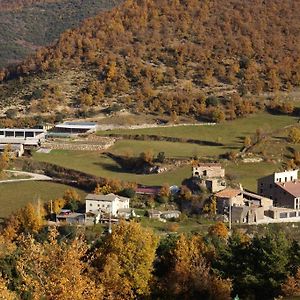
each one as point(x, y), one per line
point(33, 177)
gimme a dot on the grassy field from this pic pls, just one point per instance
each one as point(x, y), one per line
point(171, 149)
point(231, 133)
point(248, 173)
point(98, 164)
point(15, 195)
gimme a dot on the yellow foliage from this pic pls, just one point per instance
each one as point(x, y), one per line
point(219, 229)
point(190, 273)
point(56, 271)
point(5, 293)
point(126, 260)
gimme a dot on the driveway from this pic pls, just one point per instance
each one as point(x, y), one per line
point(33, 177)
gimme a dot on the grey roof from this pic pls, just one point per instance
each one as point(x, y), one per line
point(23, 129)
point(170, 212)
point(109, 197)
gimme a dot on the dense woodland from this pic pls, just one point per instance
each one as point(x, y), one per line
point(165, 56)
point(22, 32)
point(41, 262)
point(6, 5)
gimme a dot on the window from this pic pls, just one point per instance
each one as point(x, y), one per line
point(293, 214)
point(91, 204)
point(261, 191)
point(291, 178)
point(283, 215)
point(98, 205)
point(285, 179)
point(279, 179)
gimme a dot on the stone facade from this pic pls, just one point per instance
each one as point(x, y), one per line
point(208, 170)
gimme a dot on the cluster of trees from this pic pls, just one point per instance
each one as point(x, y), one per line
point(141, 47)
point(132, 262)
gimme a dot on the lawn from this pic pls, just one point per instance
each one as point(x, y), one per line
point(230, 133)
point(248, 173)
point(98, 164)
point(15, 195)
point(171, 149)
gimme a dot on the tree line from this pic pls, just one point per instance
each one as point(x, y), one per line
point(45, 262)
point(159, 56)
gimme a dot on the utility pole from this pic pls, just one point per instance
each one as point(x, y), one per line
point(230, 215)
point(109, 226)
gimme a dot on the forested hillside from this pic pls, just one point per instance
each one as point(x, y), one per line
point(166, 56)
point(28, 24)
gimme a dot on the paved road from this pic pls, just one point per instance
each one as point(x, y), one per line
point(33, 177)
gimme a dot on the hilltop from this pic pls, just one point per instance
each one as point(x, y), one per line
point(27, 25)
point(204, 59)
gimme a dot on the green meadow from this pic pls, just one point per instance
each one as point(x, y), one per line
point(14, 196)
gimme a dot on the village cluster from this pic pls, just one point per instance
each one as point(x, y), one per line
point(277, 198)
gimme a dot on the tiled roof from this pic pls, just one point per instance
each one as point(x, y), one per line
point(109, 197)
point(292, 187)
point(228, 193)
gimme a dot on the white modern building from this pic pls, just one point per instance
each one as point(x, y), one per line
point(24, 136)
point(73, 128)
point(110, 203)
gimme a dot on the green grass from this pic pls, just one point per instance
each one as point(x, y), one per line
point(171, 149)
point(248, 173)
point(100, 165)
point(230, 133)
point(15, 195)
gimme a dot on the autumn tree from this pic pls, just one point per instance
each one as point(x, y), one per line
point(291, 286)
point(190, 276)
point(5, 293)
point(294, 135)
point(29, 219)
point(125, 261)
point(53, 270)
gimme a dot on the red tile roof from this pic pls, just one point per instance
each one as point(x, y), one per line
point(292, 187)
point(228, 193)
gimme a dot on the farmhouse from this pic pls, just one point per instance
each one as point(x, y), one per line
point(246, 207)
point(283, 188)
point(210, 175)
point(208, 170)
point(110, 203)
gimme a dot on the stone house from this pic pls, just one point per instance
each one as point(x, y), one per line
point(210, 175)
point(246, 207)
point(208, 170)
point(282, 187)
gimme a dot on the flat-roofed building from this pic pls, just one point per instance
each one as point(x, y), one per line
point(24, 136)
point(73, 128)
